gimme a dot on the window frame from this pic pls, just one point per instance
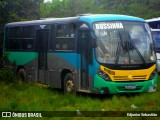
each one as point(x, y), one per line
point(20, 39)
point(29, 38)
point(74, 38)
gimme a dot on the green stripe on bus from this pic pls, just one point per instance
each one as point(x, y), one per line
point(22, 58)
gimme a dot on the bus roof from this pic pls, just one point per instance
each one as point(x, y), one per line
point(43, 21)
point(89, 18)
point(153, 19)
point(108, 17)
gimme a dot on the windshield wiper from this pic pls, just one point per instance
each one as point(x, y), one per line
point(118, 51)
point(140, 55)
point(134, 46)
point(126, 47)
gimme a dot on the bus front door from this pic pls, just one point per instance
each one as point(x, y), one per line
point(42, 37)
point(84, 50)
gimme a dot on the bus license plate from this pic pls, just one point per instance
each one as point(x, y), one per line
point(130, 86)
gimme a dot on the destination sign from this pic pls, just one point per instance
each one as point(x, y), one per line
point(100, 26)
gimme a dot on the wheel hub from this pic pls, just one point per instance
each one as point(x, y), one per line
point(69, 86)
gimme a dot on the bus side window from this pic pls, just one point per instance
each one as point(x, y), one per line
point(14, 39)
point(28, 34)
point(14, 44)
point(27, 44)
point(65, 37)
point(15, 32)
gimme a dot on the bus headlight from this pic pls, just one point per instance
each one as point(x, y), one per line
point(103, 75)
point(153, 74)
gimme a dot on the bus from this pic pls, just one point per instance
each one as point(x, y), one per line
point(96, 53)
point(154, 23)
point(156, 39)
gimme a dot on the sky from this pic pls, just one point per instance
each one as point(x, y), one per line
point(50, 0)
point(47, 1)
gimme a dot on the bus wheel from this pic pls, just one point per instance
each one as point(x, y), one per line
point(21, 75)
point(69, 86)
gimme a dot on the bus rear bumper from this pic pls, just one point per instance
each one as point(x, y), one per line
point(109, 87)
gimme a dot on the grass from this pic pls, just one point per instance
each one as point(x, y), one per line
point(17, 96)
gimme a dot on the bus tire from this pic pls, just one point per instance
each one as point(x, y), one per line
point(69, 86)
point(22, 76)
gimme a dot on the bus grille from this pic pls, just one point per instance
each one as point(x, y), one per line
point(125, 78)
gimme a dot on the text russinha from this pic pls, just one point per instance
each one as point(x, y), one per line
point(100, 26)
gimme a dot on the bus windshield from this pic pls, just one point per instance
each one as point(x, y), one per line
point(123, 42)
point(156, 37)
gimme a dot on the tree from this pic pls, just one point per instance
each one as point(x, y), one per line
point(66, 8)
point(17, 10)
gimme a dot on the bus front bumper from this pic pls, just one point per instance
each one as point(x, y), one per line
point(109, 87)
